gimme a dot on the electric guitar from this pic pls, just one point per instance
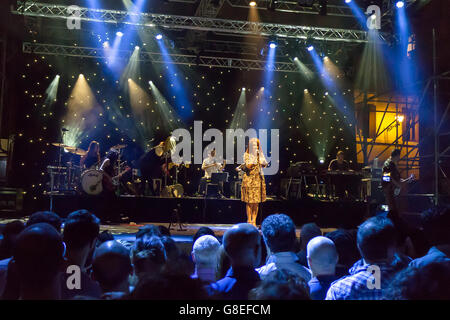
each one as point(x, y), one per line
point(111, 183)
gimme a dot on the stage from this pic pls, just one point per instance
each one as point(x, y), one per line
point(198, 210)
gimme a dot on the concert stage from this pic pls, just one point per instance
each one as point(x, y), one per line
point(195, 210)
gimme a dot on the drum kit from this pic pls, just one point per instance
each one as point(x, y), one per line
point(72, 178)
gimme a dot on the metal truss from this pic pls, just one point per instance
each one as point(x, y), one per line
point(193, 23)
point(155, 57)
point(293, 7)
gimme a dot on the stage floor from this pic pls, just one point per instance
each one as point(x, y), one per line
point(205, 211)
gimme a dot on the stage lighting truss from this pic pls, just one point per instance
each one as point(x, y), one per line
point(156, 57)
point(194, 23)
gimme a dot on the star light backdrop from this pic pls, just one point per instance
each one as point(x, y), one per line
point(94, 104)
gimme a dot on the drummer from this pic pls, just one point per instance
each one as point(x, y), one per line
point(92, 156)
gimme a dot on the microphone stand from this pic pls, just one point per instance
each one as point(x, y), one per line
point(260, 187)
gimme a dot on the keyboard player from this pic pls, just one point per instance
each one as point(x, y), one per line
point(337, 181)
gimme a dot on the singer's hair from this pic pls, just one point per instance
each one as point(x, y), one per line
point(257, 143)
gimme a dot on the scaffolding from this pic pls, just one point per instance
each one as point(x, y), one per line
point(226, 26)
point(157, 57)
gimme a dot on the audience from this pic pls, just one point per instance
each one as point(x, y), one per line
point(111, 268)
point(10, 232)
point(243, 247)
point(428, 282)
point(281, 284)
point(202, 231)
point(345, 242)
point(205, 254)
point(81, 230)
point(322, 259)
point(307, 232)
point(164, 231)
point(38, 260)
point(279, 236)
point(168, 287)
point(148, 230)
point(148, 257)
point(368, 264)
point(376, 243)
point(103, 237)
point(436, 226)
point(46, 217)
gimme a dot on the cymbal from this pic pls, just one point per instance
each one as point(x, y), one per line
point(77, 151)
point(119, 146)
point(60, 145)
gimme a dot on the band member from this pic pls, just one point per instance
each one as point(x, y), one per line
point(339, 183)
point(210, 165)
point(108, 168)
point(253, 189)
point(151, 165)
point(391, 181)
point(92, 156)
point(339, 164)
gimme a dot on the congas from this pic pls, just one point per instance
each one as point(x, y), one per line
point(91, 182)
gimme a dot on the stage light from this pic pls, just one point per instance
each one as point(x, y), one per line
point(252, 4)
point(150, 82)
point(321, 160)
point(348, 1)
point(119, 33)
point(310, 47)
point(243, 89)
point(305, 91)
point(159, 36)
point(295, 59)
point(323, 7)
point(272, 45)
point(262, 89)
point(105, 44)
point(81, 75)
point(326, 93)
point(400, 4)
point(136, 48)
point(400, 118)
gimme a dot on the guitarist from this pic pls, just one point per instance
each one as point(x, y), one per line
point(109, 175)
point(391, 180)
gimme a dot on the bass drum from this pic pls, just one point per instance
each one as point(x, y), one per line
point(91, 182)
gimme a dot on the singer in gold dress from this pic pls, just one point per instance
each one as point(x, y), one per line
point(253, 189)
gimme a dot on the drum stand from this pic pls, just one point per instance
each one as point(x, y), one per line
point(59, 172)
point(176, 215)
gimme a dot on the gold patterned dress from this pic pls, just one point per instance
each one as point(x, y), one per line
point(253, 188)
